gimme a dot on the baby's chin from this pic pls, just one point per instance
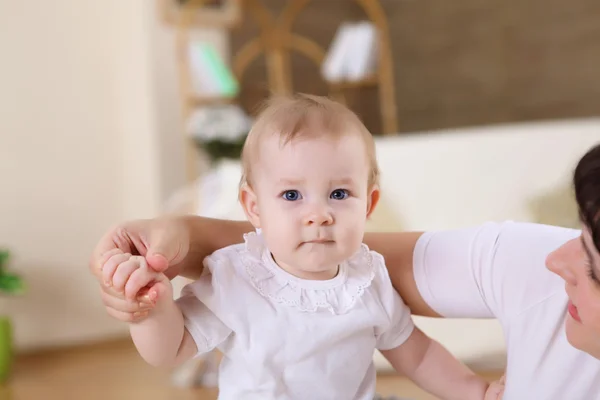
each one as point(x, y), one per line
point(318, 264)
point(307, 261)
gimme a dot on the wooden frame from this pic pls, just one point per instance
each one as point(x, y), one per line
point(276, 41)
point(208, 13)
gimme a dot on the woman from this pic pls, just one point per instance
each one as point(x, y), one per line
point(541, 282)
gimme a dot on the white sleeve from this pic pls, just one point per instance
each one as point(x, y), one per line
point(207, 330)
point(398, 323)
point(493, 270)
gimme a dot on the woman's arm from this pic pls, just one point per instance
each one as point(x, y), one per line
point(173, 245)
point(178, 246)
point(397, 249)
point(208, 235)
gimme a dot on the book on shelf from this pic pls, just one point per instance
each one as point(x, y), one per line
point(353, 53)
point(210, 75)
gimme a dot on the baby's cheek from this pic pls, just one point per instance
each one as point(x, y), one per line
point(277, 243)
point(278, 218)
point(351, 241)
point(282, 239)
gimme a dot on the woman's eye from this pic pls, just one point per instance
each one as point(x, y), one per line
point(291, 195)
point(340, 194)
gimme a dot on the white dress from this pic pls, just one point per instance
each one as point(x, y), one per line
point(287, 338)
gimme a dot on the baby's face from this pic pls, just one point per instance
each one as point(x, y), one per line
point(312, 200)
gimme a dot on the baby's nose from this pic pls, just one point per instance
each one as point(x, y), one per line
point(320, 216)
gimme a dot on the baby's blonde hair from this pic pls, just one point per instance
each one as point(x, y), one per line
point(305, 115)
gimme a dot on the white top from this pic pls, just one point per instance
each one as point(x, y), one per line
point(289, 338)
point(498, 270)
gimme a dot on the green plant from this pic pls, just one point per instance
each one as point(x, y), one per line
point(10, 284)
point(218, 149)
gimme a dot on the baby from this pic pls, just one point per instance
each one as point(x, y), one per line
point(299, 308)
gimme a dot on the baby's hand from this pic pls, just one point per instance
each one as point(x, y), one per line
point(130, 274)
point(496, 390)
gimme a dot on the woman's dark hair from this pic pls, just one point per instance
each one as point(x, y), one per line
point(587, 191)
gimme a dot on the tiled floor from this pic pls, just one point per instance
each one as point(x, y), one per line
point(114, 371)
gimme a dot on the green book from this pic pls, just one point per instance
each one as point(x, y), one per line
point(217, 71)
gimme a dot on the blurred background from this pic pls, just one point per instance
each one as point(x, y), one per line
point(125, 109)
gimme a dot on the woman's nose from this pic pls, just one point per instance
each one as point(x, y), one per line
point(561, 261)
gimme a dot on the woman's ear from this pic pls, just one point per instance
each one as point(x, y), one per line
point(372, 199)
point(250, 205)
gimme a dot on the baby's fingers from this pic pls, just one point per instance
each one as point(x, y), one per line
point(502, 380)
point(123, 305)
point(110, 266)
point(495, 391)
point(138, 280)
point(124, 271)
point(160, 290)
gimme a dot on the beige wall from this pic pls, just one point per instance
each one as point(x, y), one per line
point(89, 120)
point(60, 159)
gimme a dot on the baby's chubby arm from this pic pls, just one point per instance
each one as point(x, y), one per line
point(422, 359)
point(160, 338)
point(434, 369)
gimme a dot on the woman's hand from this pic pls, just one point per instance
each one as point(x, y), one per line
point(164, 243)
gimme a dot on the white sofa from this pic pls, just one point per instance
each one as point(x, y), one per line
point(455, 178)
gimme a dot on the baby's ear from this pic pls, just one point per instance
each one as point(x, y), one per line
point(372, 199)
point(250, 204)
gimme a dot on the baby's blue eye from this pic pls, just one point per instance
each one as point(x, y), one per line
point(339, 194)
point(291, 195)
